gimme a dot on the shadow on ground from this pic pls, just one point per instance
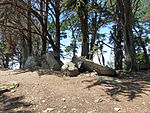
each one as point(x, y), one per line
point(49, 72)
point(13, 104)
point(40, 72)
point(134, 85)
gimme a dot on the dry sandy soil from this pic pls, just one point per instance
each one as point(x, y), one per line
point(43, 91)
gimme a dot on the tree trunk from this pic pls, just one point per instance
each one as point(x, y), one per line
point(119, 39)
point(6, 61)
point(24, 51)
point(74, 48)
point(20, 61)
point(125, 8)
point(85, 40)
point(129, 38)
point(94, 31)
point(83, 15)
point(118, 54)
point(93, 37)
point(129, 50)
point(43, 28)
point(29, 29)
point(57, 12)
point(48, 36)
point(74, 43)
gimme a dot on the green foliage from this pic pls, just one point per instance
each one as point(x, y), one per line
point(69, 48)
point(79, 39)
point(78, 5)
point(141, 57)
point(70, 22)
point(144, 9)
point(4, 48)
point(95, 49)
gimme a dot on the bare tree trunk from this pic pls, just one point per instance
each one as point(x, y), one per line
point(6, 61)
point(20, 61)
point(94, 31)
point(43, 28)
point(74, 48)
point(29, 29)
point(117, 39)
point(103, 59)
point(127, 17)
point(57, 12)
point(58, 35)
point(24, 51)
point(83, 15)
point(85, 41)
point(130, 51)
point(74, 43)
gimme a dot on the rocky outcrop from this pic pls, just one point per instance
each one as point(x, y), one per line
point(45, 62)
point(52, 62)
point(87, 65)
point(70, 69)
point(31, 63)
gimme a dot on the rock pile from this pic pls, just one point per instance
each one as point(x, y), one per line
point(87, 65)
point(70, 69)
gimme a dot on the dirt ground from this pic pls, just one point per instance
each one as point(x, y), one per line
point(46, 92)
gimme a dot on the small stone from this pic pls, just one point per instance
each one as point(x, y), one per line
point(74, 110)
point(13, 90)
point(48, 110)
point(88, 75)
point(98, 100)
point(63, 99)
point(117, 109)
point(93, 73)
point(7, 103)
point(65, 107)
point(43, 101)
point(143, 103)
point(87, 102)
point(80, 104)
point(37, 106)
